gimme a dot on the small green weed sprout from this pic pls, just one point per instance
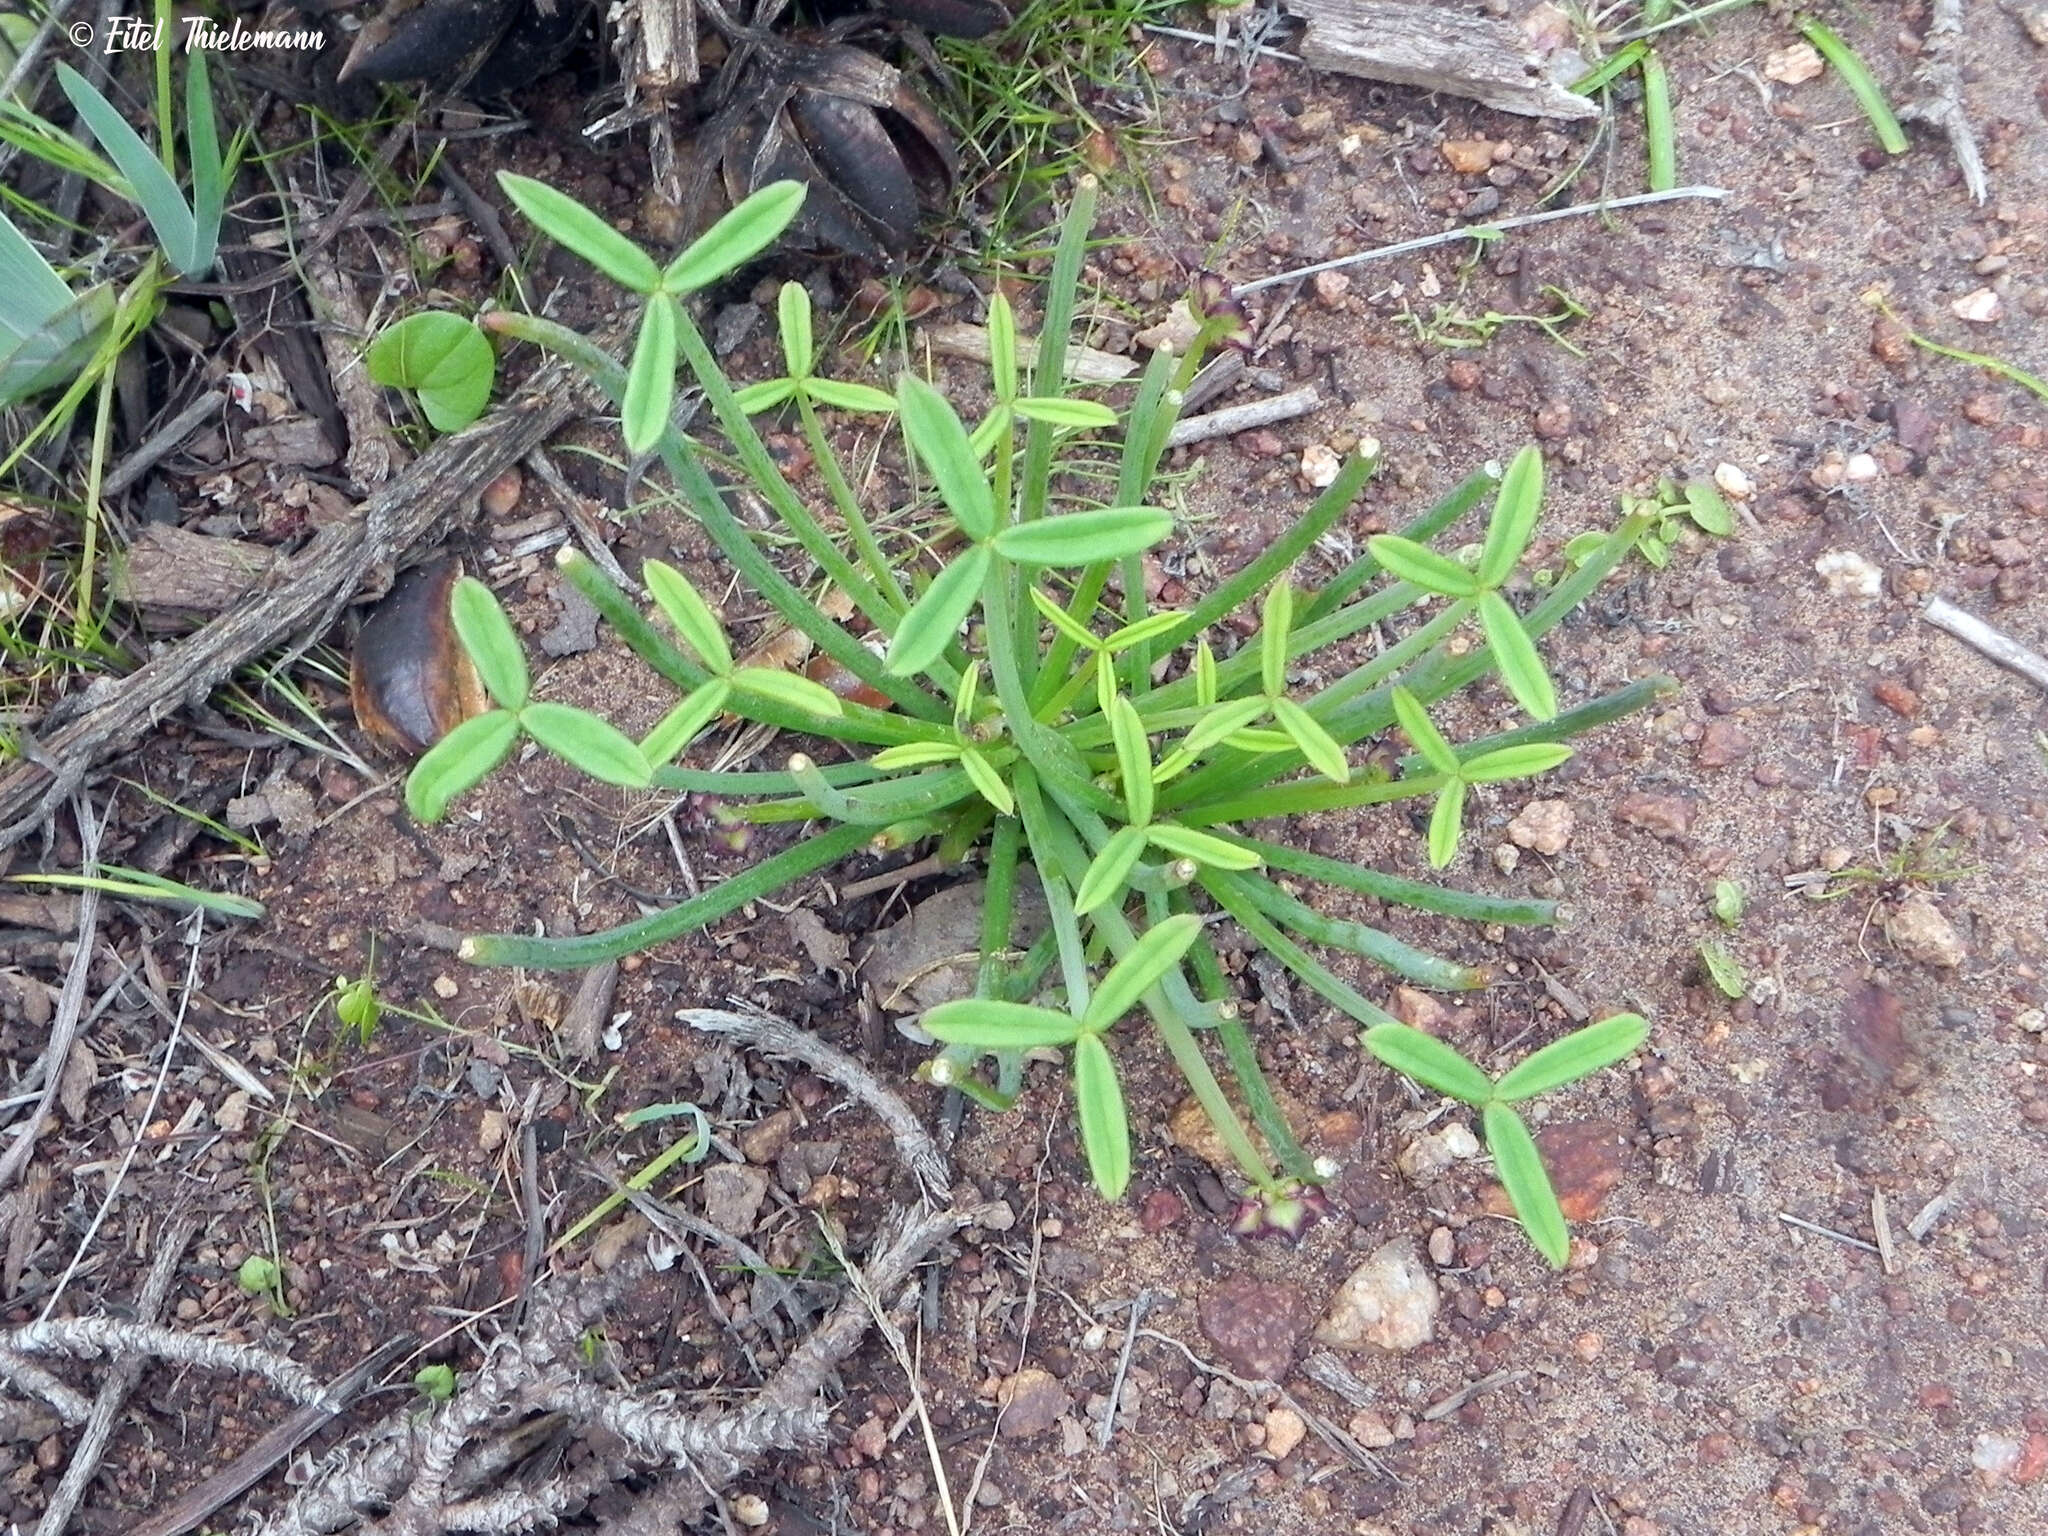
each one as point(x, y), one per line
point(443, 359)
point(259, 1275)
point(1106, 752)
point(1436, 1065)
point(436, 1383)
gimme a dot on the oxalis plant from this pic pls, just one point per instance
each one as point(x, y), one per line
point(1008, 713)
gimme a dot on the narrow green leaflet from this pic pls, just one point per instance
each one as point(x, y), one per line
point(1221, 721)
point(679, 727)
point(735, 239)
point(684, 607)
point(1276, 619)
point(589, 742)
point(1446, 821)
point(1708, 509)
point(1577, 1055)
point(789, 689)
point(1105, 1128)
point(793, 319)
point(1202, 847)
point(850, 397)
point(1522, 1175)
point(989, 1025)
point(1724, 969)
point(1205, 674)
point(1515, 654)
point(1316, 744)
point(1002, 346)
point(1133, 758)
point(1523, 762)
point(941, 445)
point(459, 761)
point(1082, 538)
point(1413, 562)
point(1150, 627)
point(1110, 869)
point(568, 223)
point(1421, 731)
point(1061, 620)
point(441, 358)
point(1079, 414)
point(987, 782)
point(651, 384)
point(1157, 951)
point(916, 754)
point(1428, 1060)
point(1515, 507)
point(487, 635)
point(765, 396)
point(935, 618)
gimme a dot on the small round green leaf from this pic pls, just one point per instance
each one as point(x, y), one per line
point(684, 607)
point(742, 234)
point(934, 619)
point(1514, 653)
point(1413, 562)
point(588, 742)
point(1522, 1175)
point(1105, 1128)
point(1083, 538)
point(488, 636)
point(651, 383)
point(441, 358)
point(1577, 1055)
point(1703, 500)
point(568, 223)
point(458, 762)
point(1429, 1061)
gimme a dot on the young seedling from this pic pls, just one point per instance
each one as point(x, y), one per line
point(443, 359)
point(1432, 1063)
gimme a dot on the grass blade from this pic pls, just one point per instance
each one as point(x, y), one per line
point(153, 189)
point(1862, 85)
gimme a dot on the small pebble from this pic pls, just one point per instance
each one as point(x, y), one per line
point(1330, 288)
point(1319, 465)
point(502, 494)
point(1733, 482)
point(1794, 65)
point(1980, 306)
point(1285, 1430)
point(750, 1509)
point(1848, 574)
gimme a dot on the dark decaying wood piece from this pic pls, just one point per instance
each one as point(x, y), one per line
point(305, 595)
point(1436, 49)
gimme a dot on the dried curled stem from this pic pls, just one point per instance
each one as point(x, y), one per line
point(88, 1338)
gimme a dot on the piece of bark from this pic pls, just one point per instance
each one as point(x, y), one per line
point(1489, 61)
point(434, 492)
point(1086, 365)
point(374, 452)
point(172, 567)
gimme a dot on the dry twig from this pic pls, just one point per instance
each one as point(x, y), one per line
point(1941, 72)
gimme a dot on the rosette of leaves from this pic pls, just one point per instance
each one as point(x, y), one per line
point(1109, 752)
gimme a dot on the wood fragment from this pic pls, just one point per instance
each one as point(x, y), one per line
point(165, 440)
point(374, 452)
point(1333, 1375)
point(1924, 1219)
point(1941, 72)
point(1573, 1519)
point(1218, 376)
point(168, 567)
point(1881, 1224)
point(1243, 418)
point(1981, 637)
point(1444, 1407)
point(1085, 365)
point(1435, 49)
point(1820, 1231)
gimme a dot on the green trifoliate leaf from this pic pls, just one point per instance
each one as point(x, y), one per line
point(651, 380)
point(568, 223)
point(941, 445)
point(1083, 538)
point(793, 320)
point(1110, 870)
point(1203, 847)
point(1422, 732)
point(750, 228)
point(1429, 1061)
point(1515, 507)
point(589, 742)
point(1577, 1055)
point(1520, 762)
point(1316, 744)
point(1133, 759)
point(989, 1025)
point(458, 762)
point(987, 782)
point(1276, 619)
point(1522, 1175)
point(684, 607)
point(1514, 653)
point(790, 690)
point(1446, 821)
point(1157, 951)
point(1424, 567)
point(487, 635)
point(679, 727)
point(935, 618)
point(1099, 1105)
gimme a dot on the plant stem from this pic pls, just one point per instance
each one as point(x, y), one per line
point(1049, 753)
point(848, 504)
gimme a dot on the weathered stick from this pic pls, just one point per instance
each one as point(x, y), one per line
point(440, 486)
point(1942, 74)
point(1242, 418)
point(1981, 637)
point(1434, 49)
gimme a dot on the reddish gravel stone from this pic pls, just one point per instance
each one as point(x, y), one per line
point(1666, 816)
point(1723, 742)
point(1255, 1326)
